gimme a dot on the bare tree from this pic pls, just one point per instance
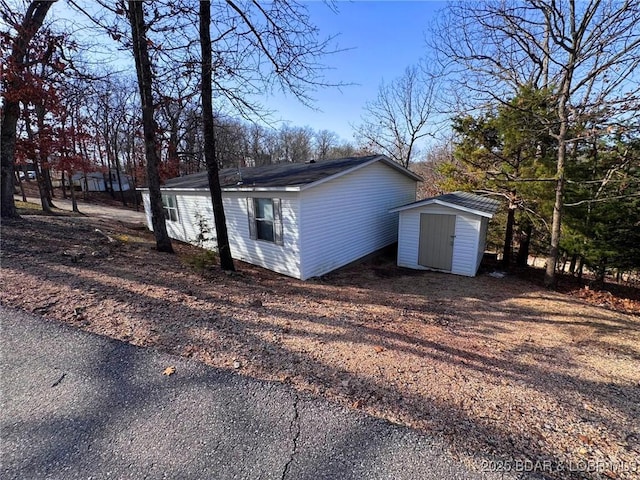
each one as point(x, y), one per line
point(12, 87)
point(586, 52)
point(145, 85)
point(325, 142)
point(398, 118)
point(222, 239)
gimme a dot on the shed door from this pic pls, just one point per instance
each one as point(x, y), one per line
point(437, 233)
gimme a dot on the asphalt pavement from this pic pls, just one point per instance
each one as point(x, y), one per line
point(77, 405)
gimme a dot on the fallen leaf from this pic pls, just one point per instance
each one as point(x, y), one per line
point(379, 349)
point(585, 439)
point(169, 371)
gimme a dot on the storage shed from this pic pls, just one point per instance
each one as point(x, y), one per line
point(302, 219)
point(445, 233)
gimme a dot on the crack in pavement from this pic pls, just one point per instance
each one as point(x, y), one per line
point(295, 425)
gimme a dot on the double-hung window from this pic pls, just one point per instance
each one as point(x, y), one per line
point(265, 219)
point(170, 207)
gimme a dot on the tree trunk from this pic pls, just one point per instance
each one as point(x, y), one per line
point(63, 185)
point(522, 259)
point(12, 83)
point(10, 114)
point(74, 201)
point(572, 265)
point(133, 174)
point(22, 192)
point(108, 182)
point(600, 272)
point(580, 267)
point(563, 117)
point(122, 197)
point(46, 173)
point(145, 78)
point(224, 250)
point(508, 238)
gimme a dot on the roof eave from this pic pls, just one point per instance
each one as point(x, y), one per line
point(482, 213)
point(290, 188)
point(287, 188)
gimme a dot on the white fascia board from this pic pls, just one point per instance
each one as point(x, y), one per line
point(294, 188)
point(164, 189)
point(227, 189)
point(444, 204)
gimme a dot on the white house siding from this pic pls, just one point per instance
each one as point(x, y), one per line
point(186, 228)
point(345, 219)
point(464, 245)
point(147, 209)
point(280, 258)
point(284, 258)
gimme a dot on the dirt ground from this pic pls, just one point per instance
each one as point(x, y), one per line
point(500, 367)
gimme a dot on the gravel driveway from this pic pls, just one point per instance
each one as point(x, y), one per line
point(494, 367)
point(100, 211)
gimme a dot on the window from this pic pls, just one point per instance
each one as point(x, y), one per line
point(170, 207)
point(265, 219)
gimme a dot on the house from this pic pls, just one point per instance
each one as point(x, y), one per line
point(89, 182)
point(446, 233)
point(302, 220)
point(101, 182)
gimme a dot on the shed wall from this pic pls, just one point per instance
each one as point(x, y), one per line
point(347, 218)
point(465, 245)
point(482, 240)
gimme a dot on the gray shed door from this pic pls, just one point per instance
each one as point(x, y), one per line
point(437, 233)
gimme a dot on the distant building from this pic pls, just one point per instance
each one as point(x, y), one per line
point(101, 181)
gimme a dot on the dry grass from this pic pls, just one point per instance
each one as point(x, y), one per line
point(498, 367)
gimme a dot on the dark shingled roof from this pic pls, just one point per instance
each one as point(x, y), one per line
point(278, 175)
point(461, 199)
point(470, 200)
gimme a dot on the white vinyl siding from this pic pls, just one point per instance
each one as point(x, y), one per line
point(189, 206)
point(348, 217)
point(465, 246)
point(283, 258)
point(280, 258)
point(319, 229)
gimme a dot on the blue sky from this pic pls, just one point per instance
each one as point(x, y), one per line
point(382, 38)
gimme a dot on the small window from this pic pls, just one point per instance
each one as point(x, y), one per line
point(170, 208)
point(265, 219)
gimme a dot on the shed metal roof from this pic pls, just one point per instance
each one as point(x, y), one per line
point(294, 176)
point(461, 200)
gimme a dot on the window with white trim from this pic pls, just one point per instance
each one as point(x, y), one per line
point(265, 219)
point(170, 207)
